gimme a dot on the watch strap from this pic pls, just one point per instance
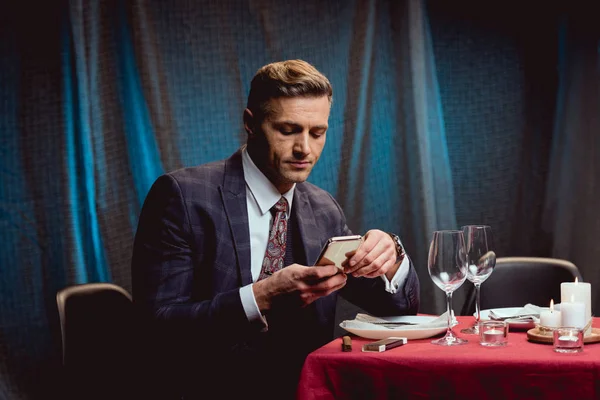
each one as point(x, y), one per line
point(400, 252)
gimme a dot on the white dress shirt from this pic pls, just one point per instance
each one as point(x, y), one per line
point(261, 195)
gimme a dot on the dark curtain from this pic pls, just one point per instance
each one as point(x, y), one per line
point(444, 114)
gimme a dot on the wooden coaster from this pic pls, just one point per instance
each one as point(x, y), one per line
point(535, 335)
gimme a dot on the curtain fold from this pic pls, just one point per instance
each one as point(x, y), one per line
point(83, 155)
point(571, 215)
point(142, 139)
point(433, 184)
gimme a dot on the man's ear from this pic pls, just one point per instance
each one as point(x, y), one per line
point(249, 122)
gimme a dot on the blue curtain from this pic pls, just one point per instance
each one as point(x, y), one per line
point(443, 115)
point(571, 214)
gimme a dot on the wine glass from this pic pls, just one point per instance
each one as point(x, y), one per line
point(447, 265)
point(479, 242)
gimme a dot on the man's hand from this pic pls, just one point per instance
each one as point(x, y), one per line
point(376, 256)
point(297, 286)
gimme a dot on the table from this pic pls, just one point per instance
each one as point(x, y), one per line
point(421, 370)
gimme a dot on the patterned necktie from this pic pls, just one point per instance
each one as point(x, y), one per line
point(275, 252)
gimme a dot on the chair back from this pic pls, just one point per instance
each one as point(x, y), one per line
point(97, 323)
point(517, 281)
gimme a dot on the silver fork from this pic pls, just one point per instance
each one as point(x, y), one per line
point(393, 325)
point(495, 317)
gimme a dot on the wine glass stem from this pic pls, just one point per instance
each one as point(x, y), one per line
point(449, 311)
point(477, 302)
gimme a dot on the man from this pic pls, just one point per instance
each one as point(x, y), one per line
point(224, 252)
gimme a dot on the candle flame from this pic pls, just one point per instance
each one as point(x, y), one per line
point(576, 281)
point(551, 305)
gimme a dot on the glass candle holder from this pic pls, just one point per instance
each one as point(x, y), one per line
point(493, 333)
point(568, 340)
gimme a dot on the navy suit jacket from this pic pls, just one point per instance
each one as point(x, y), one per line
point(192, 254)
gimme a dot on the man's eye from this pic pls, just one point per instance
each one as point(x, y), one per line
point(286, 131)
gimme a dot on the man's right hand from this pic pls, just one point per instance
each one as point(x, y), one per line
point(297, 285)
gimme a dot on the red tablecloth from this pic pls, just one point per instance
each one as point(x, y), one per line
point(421, 370)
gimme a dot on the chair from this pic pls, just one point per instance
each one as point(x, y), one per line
point(97, 322)
point(517, 281)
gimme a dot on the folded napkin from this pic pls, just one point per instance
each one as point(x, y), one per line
point(516, 312)
point(369, 322)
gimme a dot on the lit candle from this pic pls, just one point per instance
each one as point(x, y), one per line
point(493, 332)
point(573, 313)
point(568, 338)
point(550, 318)
point(493, 336)
point(578, 292)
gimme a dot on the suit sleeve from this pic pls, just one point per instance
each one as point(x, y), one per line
point(164, 265)
point(370, 294)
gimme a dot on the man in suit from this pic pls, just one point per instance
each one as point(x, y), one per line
point(224, 254)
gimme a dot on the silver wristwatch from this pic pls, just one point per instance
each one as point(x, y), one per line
point(400, 253)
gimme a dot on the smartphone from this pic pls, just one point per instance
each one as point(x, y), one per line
point(384, 344)
point(334, 251)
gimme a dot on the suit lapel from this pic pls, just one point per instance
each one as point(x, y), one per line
point(312, 241)
point(233, 194)
point(307, 227)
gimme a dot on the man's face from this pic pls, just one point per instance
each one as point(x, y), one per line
point(290, 139)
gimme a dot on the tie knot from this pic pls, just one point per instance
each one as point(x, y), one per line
point(281, 205)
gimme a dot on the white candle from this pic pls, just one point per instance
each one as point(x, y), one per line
point(550, 318)
point(568, 338)
point(573, 314)
point(578, 292)
point(493, 336)
point(493, 332)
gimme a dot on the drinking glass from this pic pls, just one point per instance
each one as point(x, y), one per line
point(447, 265)
point(479, 243)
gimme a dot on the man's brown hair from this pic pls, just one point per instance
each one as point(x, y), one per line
point(291, 78)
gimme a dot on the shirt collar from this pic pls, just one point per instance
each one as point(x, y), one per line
point(264, 192)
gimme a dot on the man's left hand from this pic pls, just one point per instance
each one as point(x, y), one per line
point(376, 256)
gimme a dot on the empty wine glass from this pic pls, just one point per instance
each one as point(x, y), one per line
point(479, 243)
point(447, 265)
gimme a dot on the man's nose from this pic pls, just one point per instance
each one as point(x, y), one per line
point(302, 144)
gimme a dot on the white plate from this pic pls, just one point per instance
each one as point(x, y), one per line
point(514, 323)
point(409, 333)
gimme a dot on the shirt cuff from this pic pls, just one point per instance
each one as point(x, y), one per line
point(399, 278)
point(251, 308)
